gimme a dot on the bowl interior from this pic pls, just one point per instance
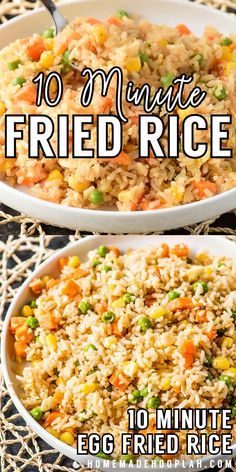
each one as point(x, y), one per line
point(216, 245)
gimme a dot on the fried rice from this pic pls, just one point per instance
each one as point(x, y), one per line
point(148, 328)
point(146, 53)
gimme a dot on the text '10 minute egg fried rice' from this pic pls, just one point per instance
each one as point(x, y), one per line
point(145, 53)
point(149, 328)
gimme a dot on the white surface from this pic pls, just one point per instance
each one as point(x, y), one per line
point(217, 245)
point(170, 12)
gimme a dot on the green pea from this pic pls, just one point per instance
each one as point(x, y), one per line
point(37, 339)
point(96, 197)
point(220, 93)
point(226, 379)
point(135, 397)
point(36, 413)
point(144, 323)
point(158, 459)
point(220, 264)
point(122, 13)
point(203, 285)
point(108, 317)
point(33, 304)
point(189, 261)
point(174, 294)
point(32, 322)
point(104, 456)
point(109, 388)
point(233, 414)
point(226, 41)
point(49, 33)
point(90, 347)
point(18, 81)
point(14, 64)
point(102, 251)
point(84, 307)
point(144, 392)
point(221, 332)
point(143, 58)
point(128, 297)
point(154, 402)
point(106, 268)
point(127, 458)
point(199, 58)
point(167, 80)
point(95, 263)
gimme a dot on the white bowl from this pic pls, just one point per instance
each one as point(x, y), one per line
point(216, 245)
point(170, 12)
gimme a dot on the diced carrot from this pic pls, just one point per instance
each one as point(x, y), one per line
point(201, 316)
point(27, 93)
point(71, 289)
point(211, 334)
point(188, 351)
point(48, 321)
point(16, 322)
point(202, 186)
point(63, 261)
point(163, 251)
point(101, 308)
point(35, 49)
point(36, 286)
point(183, 29)
point(93, 21)
point(115, 330)
point(182, 303)
point(114, 21)
point(115, 250)
point(58, 397)
point(20, 349)
point(122, 159)
point(119, 380)
point(24, 334)
point(180, 250)
point(79, 273)
point(51, 418)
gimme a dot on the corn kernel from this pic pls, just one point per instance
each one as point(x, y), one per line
point(158, 313)
point(88, 388)
point(227, 54)
point(230, 68)
point(46, 59)
point(2, 108)
point(53, 86)
point(208, 270)
point(53, 432)
point(231, 373)
point(27, 311)
point(184, 113)
point(110, 341)
point(120, 303)
point(73, 262)
point(133, 64)
point(55, 175)
point(45, 279)
point(49, 44)
point(221, 363)
point(165, 383)
point(163, 42)
point(60, 381)
point(51, 342)
point(67, 438)
point(100, 34)
point(227, 342)
point(77, 185)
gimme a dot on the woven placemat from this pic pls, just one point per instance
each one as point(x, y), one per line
point(25, 225)
point(20, 448)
